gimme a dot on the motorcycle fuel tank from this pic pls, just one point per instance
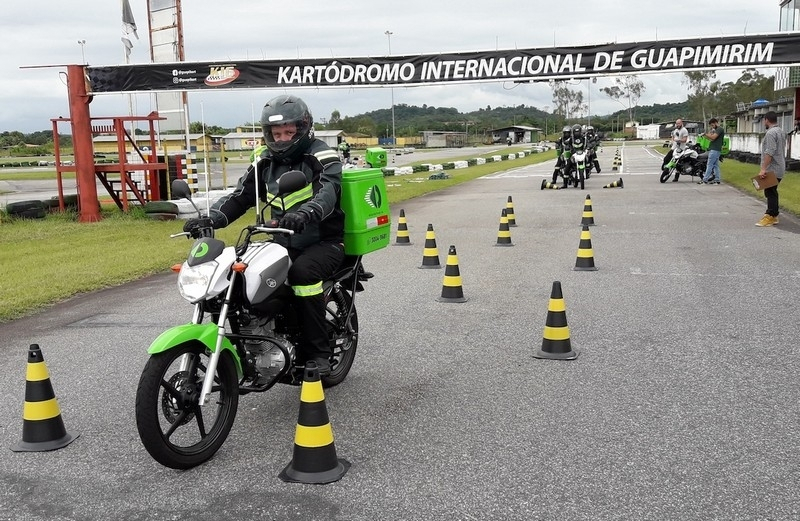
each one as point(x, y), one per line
point(267, 268)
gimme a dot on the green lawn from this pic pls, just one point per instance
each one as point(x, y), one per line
point(48, 260)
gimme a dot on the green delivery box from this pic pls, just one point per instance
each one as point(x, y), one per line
point(367, 220)
point(726, 144)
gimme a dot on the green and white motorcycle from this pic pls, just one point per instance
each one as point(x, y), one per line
point(241, 338)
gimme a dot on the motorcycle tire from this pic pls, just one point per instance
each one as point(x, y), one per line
point(174, 429)
point(665, 175)
point(343, 339)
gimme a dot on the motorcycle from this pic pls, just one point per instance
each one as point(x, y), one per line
point(188, 393)
point(579, 157)
point(687, 160)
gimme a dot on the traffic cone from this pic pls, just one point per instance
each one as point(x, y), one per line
point(451, 285)
point(555, 341)
point(615, 184)
point(548, 184)
point(42, 426)
point(512, 221)
point(587, 218)
point(585, 260)
point(430, 254)
point(402, 231)
point(503, 234)
point(314, 458)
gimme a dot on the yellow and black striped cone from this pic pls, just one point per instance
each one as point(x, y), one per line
point(314, 458)
point(42, 426)
point(585, 260)
point(512, 219)
point(402, 230)
point(451, 285)
point(503, 234)
point(615, 184)
point(587, 219)
point(430, 254)
point(550, 185)
point(555, 341)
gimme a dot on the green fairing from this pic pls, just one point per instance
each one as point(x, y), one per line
point(204, 333)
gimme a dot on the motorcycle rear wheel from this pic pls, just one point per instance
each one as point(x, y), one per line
point(344, 342)
point(173, 427)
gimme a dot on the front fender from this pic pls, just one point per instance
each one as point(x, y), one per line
point(206, 334)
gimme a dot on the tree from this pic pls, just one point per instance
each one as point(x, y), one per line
point(630, 88)
point(566, 101)
point(702, 91)
point(335, 120)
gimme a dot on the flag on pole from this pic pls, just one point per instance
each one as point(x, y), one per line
point(128, 27)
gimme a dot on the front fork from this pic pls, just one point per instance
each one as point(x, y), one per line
point(213, 360)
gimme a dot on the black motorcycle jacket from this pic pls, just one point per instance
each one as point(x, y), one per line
point(320, 198)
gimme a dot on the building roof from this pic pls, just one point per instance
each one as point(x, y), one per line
point(514, 127)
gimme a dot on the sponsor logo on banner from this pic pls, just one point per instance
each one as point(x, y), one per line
point(221, 75)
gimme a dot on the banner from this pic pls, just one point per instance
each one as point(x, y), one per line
point(540, 64)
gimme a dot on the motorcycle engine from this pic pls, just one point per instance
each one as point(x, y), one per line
point(687, 168)
point(265, 354)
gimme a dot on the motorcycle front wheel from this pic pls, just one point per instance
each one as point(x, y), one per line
point(666, 174)
point(173, 427)
point(343, 335)
point(581, 179)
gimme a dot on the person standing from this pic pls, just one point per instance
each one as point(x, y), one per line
point(716, 136)
point(773, 159)
point(679, 138)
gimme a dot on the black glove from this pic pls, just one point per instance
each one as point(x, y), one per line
point(194, 226)
point(295, 221)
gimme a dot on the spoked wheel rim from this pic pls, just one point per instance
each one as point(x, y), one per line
point(173, 427)
point(344, 341)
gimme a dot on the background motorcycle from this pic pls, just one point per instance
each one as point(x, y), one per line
point(189, 390)
point(688, 160)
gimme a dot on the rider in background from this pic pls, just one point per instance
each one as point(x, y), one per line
point(313, 213)
point(679, 138)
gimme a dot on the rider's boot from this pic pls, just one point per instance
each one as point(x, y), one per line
point(597, 165)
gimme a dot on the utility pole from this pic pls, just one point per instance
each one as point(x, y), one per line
point(394, 137)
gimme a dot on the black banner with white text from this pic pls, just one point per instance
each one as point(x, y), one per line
point(539, 64)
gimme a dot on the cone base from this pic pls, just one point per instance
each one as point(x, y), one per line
point(570, 355)
point(587, 224)
point(584, 268)
point(452, 299)
point(290, 475)
point(403, 243)
point(42, 446)
point(430, 266)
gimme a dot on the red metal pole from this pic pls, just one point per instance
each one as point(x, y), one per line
point(82, 143)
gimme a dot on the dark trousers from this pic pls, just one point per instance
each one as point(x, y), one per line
point(771, 194)
point(310, 267)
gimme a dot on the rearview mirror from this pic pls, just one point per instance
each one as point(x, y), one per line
point(291, 181)
point(181, 190)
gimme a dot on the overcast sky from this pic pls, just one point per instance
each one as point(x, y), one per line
point(47, 32)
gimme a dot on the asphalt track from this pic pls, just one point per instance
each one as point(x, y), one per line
point(682, 403)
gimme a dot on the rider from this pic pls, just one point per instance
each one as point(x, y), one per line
point(592, 142)
point(679, 138)
point(563, 149)
point(316, 249)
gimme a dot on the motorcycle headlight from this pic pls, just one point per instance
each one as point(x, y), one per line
point(194, 281)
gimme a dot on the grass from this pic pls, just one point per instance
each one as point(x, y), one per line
point(48, 260)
